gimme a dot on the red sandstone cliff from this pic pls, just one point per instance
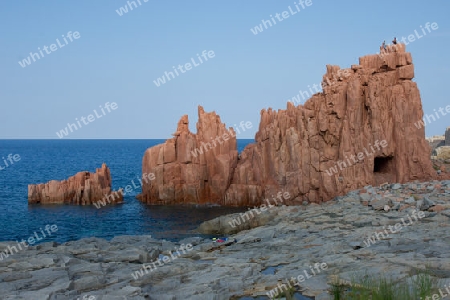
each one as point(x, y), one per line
point(84, 188)
point(373, 101)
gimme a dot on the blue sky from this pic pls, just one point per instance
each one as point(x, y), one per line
point(117, 58)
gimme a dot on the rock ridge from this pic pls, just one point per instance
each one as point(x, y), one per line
point(297, 149)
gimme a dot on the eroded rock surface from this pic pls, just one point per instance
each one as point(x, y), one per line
point(349, 234)
point(191, 168)
point(316, 151)
point(371, 102)
point(84, 188)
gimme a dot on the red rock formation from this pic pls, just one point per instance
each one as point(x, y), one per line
point(191, 168)
point(373, 101)
point(84, 188)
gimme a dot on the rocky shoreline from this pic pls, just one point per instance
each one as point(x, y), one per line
point(281, 243)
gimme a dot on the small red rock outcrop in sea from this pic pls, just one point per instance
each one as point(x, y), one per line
point(358, 131)
point(84, 188)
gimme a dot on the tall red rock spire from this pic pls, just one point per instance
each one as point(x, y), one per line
point(316, 151)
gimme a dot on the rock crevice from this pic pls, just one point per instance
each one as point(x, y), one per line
point(297, 149)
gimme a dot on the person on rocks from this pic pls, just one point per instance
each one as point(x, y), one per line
point(383, 48)
point(394, 41)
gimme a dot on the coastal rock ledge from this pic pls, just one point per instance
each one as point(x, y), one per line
point(351, 235)
point(315, 152)
point(84, 188)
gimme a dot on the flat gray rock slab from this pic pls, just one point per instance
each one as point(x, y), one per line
point(352, 234)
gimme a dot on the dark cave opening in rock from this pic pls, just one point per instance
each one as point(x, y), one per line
point(383, 164)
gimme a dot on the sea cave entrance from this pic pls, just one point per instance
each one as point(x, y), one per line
point(383, 170)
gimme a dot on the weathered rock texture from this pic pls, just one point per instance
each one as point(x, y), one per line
point(344, 234)
point(192, 168)
point(373, 101)
point(84, 188)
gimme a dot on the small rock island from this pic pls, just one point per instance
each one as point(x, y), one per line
point(84, 188)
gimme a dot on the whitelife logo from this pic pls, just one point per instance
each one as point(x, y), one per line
point(421, 123)
point(236, 222)
point(412, 37)
point(300, 278)
point(360, 157)
point(162, 80)
point(165, 260)
point(30, 240)
point(27, 61)
point(371, 240)
point(284, 15)
point(123, 10)
point(65, 132)
point(128, 189)
point(10, 157)
point(226, 136)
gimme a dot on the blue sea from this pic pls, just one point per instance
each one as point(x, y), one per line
point(45, 160)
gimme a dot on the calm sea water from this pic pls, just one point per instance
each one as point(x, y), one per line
point(45, 160)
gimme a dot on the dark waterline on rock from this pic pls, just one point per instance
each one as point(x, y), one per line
point(45, 160)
